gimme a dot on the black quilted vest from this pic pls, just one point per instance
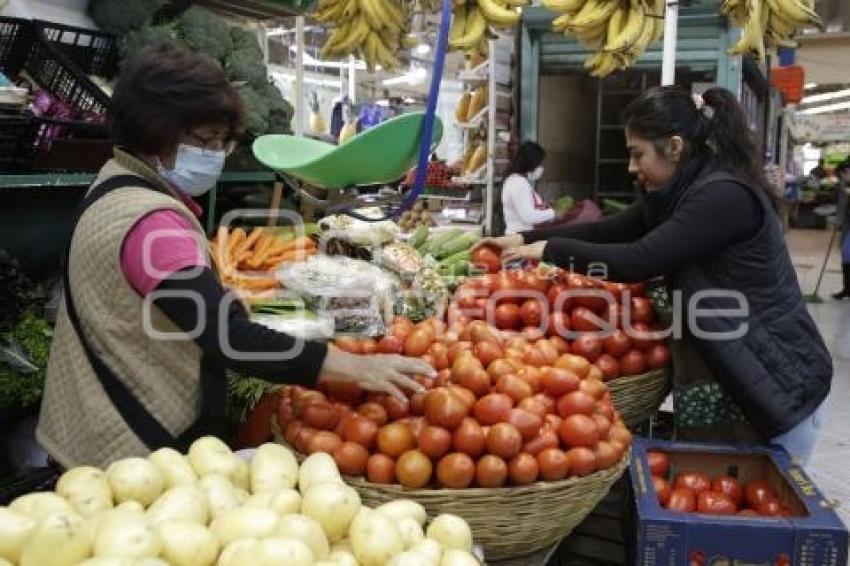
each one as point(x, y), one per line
point(779, 371)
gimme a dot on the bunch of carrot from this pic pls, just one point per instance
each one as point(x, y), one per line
point(246, 261)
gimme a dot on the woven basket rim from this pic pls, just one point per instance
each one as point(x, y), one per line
point(629, 379)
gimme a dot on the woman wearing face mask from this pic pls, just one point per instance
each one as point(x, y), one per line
point(522, 206)
point(146, 330)
point(705, 220)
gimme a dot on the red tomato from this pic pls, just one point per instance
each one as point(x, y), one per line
point(769, 508)
point(374, 412)
point(504, 440)
point(487, 258)
point(561, 345)
point(487, 352)
point(559, 301)
point(633, 363)
point(609, 366)
point(587, 346)
point(413, 469)
point(523, 469)
point(323, 441)
point(613, 315)
point(553, 463)
point(730, 486)
point(659, 464)
point(391, 345)
point(348, 344)
point(368, 346)
point(607, 454)
point(351, 458)
point(662, 490)
point(582, 461)
point(417, 343)
point(557, 382)
point(658, 356)
point(641, 310)
point(757, 491)
point(618, 344)
point(576, 364)
point(507, 316)
point(464, 394)
point(534, 406)
point(445, 408)
point(396, 408)
point(747, 513)
point(531, 313)
point(546, 401)
point(514, 387)
point(641, 336)
point(360, 430)
point(257, 426)
point(491, 471)
point(395, 439)
point(577, 402)
point(579, 430)
point(682, 500)
point(604, 424)
point(380, 469)
point(455, 471)
point(545, 439)
point(585, 320)
point(716, 503)
point(434, 441)
point(697, 482)
point(469, 438)
point(528, 424)
point(477, 381)
point(493, 408)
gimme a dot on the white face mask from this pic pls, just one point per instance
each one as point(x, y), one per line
point(196, 170)
point(536, 175)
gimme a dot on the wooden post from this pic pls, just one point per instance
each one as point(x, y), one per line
point(277, 193)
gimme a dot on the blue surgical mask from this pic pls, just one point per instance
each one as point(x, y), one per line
point(196, 170)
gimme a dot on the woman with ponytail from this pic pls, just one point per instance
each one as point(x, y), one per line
point(749, 363)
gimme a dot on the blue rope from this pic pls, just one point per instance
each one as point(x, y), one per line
point(428, 120)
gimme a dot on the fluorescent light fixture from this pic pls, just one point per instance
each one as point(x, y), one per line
point(310, 80)
point(311, 61)
point(809, 86)
point(826, 96)
point(412, 77)
point(827, 108)
point(422, 49)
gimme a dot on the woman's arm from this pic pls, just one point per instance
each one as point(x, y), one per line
point(720, 214)
point(623, 227)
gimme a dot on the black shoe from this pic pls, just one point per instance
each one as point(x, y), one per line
point(841, 295)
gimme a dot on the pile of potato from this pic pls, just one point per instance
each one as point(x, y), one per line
point(212, 507)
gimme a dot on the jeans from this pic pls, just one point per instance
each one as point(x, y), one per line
point(800, 441)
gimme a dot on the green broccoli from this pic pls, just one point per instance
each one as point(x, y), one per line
point(256, 110)
point(205, 32)
point(244, 65)
point(244, 39)
point(132, 43)
point(121, 16)
point(280, 110)
point(33, 336)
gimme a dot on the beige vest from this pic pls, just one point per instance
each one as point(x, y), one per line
point(78, 423)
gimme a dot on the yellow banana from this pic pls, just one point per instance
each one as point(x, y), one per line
point(563, 5)
point(630, 31)
point(497, 14)
point(476, 27)
point(559, 24)
point(459, 18)
point(797, 12)
point(373, 13)
point(752, 38)
point(593, 14)
point(647, 30)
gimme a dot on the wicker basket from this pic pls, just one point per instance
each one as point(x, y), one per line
point(638, 397)
point(507, 522)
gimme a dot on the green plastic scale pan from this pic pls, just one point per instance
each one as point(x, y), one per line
point(381, 154)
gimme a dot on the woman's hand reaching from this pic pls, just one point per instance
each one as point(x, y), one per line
point(385, 373)
point(530, 251)
point(504, 243)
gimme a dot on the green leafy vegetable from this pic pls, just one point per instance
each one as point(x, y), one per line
point(122, 16)
point(246, 65)
point(205, 32)
point(20, 385)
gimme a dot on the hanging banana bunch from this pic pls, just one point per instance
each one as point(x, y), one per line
point(374, 30)
point(618, 30)
point(768, 23)
point(473, 19)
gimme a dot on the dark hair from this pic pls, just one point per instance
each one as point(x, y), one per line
point(719, 131)
point(529, 156)
point(167, 90)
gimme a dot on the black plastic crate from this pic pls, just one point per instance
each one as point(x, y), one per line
point(15, 40)
point(93, 52)
point(17, 142)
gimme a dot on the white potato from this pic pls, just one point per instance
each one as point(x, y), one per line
point(175, 467)
point(343, 558)
point(259, 500)
point(375, 538)
point(242, 549)
point(273, 468)
point(333, 505)
point(127, 535)
point(130, 507)
point(187, 543)
point(182, 503)
point(317, 468)
point(411, 532)
point(455, 557)
point(305, 529)
point(285, 502)
point(15, 530)
point(59, 540)
point(244, 523)
point(86, 489)
point(220, 494)
point(409, 558)
point(209, 455)
point(242, 475)
point(289, 551)
point(135, 479)
point(41, 504)
point(404, 509)
point(429, 548)
point(108, 561)
point(450, 531)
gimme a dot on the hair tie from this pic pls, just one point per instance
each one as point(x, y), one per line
point(699, 102)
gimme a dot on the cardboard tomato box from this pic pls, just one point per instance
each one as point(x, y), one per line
point(812, 536)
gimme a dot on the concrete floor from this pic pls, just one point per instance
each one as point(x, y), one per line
point(830, 463)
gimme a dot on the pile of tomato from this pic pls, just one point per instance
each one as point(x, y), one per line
point(559, 303)
point(501, 411)
point(696, 492)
